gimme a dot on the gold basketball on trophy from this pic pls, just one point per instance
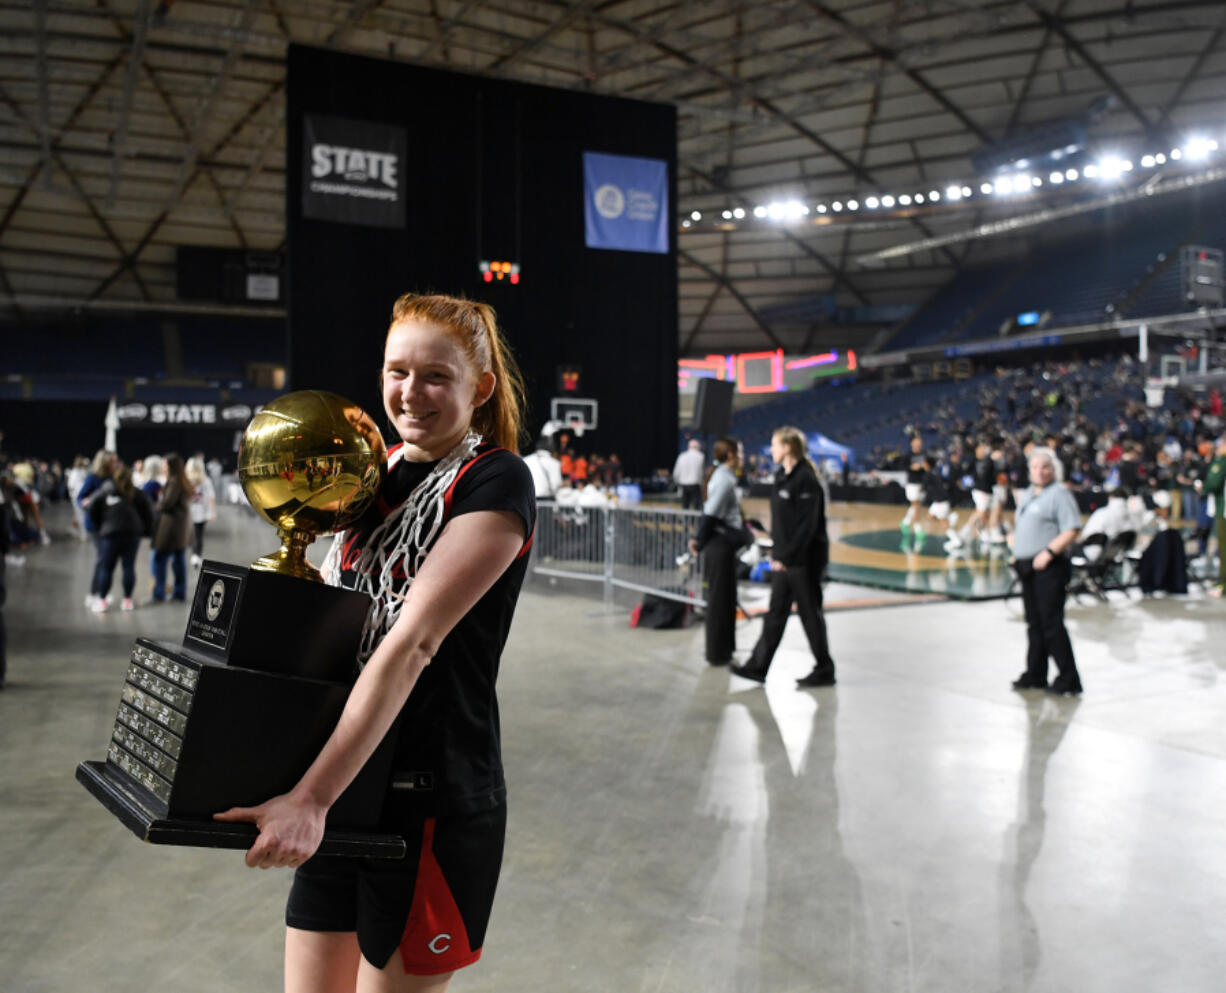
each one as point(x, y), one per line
point(310, 463)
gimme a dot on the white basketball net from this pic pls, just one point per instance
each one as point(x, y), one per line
point(404, 538)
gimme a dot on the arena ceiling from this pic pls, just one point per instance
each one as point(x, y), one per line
point(131, 127)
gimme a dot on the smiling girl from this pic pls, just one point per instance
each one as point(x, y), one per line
point(442, 554)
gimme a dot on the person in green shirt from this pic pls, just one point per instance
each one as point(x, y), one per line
point(1215, 485)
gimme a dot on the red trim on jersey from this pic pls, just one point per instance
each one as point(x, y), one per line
point(435, 939)
point(449, 495)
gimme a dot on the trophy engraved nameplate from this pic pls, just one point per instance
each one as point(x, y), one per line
point(235, 714)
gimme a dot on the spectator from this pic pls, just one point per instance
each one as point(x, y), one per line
point(121, 515)
point(203, 505)
point(172, 531)
point(687, 475)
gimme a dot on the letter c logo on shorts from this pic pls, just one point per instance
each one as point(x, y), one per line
point(434, 944)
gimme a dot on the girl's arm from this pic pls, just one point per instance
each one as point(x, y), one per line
point(471, 553)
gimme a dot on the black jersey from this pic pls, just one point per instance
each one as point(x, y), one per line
point(985, 474)
point(448, 744)
point(918, 466)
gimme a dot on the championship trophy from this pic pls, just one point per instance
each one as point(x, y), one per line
point(235, 714)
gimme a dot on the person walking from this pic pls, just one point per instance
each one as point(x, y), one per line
point(121, 515)
point(1046, 524)
point(719, 538)
point(172, 531)
point(799, 552)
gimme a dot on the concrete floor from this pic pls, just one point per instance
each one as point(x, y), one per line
point(919, 827)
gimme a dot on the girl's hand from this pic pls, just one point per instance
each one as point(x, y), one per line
point(290, 830)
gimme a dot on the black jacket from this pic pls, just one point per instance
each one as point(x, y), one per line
point(111, 514)
point(798, 519)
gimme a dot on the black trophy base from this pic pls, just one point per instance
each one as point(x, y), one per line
point(122, 801)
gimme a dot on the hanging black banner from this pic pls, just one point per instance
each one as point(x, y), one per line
point(353, 171)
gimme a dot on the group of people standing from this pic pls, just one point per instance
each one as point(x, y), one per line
point(799, 552)
point(1048, 522)
point(169, 503)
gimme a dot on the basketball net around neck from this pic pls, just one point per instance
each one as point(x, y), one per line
point(402, 539)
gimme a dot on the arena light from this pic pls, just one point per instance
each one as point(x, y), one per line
point(1071, 175)
point(786, 210)
point(1160, 159)
point(853, 205)
point(1036, 181)
point(905, 200)
point(696, 215)
point(966, 191)
point(686, 223)
point(1090, 171)
point(821, 208)
point(727, 215)
point(953, 193)
point(738, 213)
point(1176, 154)
point(836, 206)
point(760, 211)
point(986, 188)
point(1197, 149)
point(1109, 167)
point(887, 201)
point(872, 203)
point(1056, 178)
point(934, 195)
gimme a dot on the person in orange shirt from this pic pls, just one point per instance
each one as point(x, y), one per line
point(580, 471)
point(567, 464)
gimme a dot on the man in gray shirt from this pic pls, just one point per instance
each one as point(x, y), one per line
point(1047, 522)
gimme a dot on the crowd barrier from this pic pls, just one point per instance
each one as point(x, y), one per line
point(632, 548)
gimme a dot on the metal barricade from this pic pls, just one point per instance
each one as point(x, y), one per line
point(633, 548)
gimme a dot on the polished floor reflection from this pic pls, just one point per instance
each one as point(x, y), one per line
point(918, 827)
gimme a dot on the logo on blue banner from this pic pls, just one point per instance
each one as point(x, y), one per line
point(625, 203)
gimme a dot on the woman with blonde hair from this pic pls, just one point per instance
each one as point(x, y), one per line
point(799, 553)
point(442, 553)
point(203, 506)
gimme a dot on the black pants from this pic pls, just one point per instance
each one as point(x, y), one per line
point(1043, 594)
point(797, 585)
point(691, 497)
point(719, 576)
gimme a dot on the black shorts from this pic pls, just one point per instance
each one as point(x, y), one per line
point(433, 905)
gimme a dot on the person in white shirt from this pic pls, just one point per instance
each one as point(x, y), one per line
point(1110, 520)
point(546, 470)
point(688, 471)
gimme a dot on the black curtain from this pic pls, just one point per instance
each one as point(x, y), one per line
point(493, 171)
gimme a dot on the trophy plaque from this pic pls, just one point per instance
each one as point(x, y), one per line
point(235, 714)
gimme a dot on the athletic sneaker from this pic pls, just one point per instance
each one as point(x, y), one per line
point(128, 604)
point(905, 526)
point(99, 606)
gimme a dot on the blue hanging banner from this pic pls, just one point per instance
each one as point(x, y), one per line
point(625, 203)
